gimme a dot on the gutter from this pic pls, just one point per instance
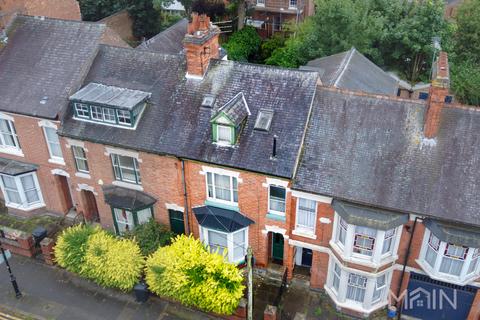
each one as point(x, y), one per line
point(185, 197)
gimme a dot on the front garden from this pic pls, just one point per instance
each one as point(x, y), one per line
point(180, 268)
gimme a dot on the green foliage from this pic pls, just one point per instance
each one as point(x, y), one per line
point(268, 46)
point(396, 34)
point(96, 254)
point(71, 247)
point(188, 272)
point(467, 38)
point(94, 10)
point(243, 44)
point(150, 236)
point(213, 8)
point(465, 78)
point(146, 20)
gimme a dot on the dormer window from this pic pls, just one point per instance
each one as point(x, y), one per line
point(227, 123)
point(109, 105)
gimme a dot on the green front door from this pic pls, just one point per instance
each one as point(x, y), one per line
point(277, 246)
point(176, 222)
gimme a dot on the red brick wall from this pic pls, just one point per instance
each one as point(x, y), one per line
point(35, 150)
point(161, 178)
point(252, 202)
point(319, 270)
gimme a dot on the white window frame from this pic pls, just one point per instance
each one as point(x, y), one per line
point(53, 158)
point(83, 108)
point(23, 205)
point(270, 210)
point(435, 273)
point(260, 3)
point(340, 296)
point(78, 158)
point(214, 196)
point(136, 169)
point(230, 129)
point(16, 149)
point(126, 115)
point(302, 230)
point(230, 243)
point(292, 4)
point(377, 259)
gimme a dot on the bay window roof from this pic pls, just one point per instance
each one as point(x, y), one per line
point(451, 233)
point(369, 217)
point(221, 219)
point(124, 198)
point(99, 94)
point(13, 167)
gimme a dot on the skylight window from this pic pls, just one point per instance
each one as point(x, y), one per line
point(264, 120)
point(208, 101)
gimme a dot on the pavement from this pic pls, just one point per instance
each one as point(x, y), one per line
point(51, 293)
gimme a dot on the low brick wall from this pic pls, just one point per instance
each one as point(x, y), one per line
point(18, 242)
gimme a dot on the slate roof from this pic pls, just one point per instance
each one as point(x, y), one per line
point(221, 219)
point(169, 41)
point(236, 109)
point(97, 93)
point(176, 124)
point(44, 62)
point(14, 167)
point(124, 198)
point(370, 150)
point(352, 70)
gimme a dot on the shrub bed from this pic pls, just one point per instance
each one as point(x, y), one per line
point(95, 254)
point(150, 236)
point(186, 271)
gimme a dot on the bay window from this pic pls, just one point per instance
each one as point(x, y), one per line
point(222, 188)
point(22, 191)
point(362, 244)
point(357, 290)
point(232, 244)
point(446, 261)
point(306, 216)
point(126, 220)
point(126, 168)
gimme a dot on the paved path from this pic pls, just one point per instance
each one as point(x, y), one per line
point(49, 294)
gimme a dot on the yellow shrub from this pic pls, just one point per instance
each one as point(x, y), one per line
point(187, 272)
point(71, 246)
point(112, 262)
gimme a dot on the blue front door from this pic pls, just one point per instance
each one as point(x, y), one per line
point(431, 299)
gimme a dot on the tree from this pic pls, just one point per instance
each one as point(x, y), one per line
point(146, 20)
point(337, 26)
point(94, 10)
point(465, 78)
point(212, 8)
point(243, 44)
point(467, 37)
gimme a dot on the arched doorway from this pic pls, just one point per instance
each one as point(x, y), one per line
point(90, 206)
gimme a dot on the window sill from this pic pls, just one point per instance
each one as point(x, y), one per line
point(302, 233)
point(30, 208)
point(261, 5)
point(443, 277)
point(215, 203)
point(128, 185)
point(12, 151)
point(82, 175)
point(276, 216)
point(57, 161)
point(353, 306)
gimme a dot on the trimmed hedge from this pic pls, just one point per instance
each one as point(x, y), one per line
point(71, 246)
point(186, 271)
point(95, 254)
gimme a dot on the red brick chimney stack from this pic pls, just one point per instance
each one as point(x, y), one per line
point(201, 45)
point(439, 90)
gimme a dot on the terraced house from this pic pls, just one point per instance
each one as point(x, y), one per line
point(366, 194)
